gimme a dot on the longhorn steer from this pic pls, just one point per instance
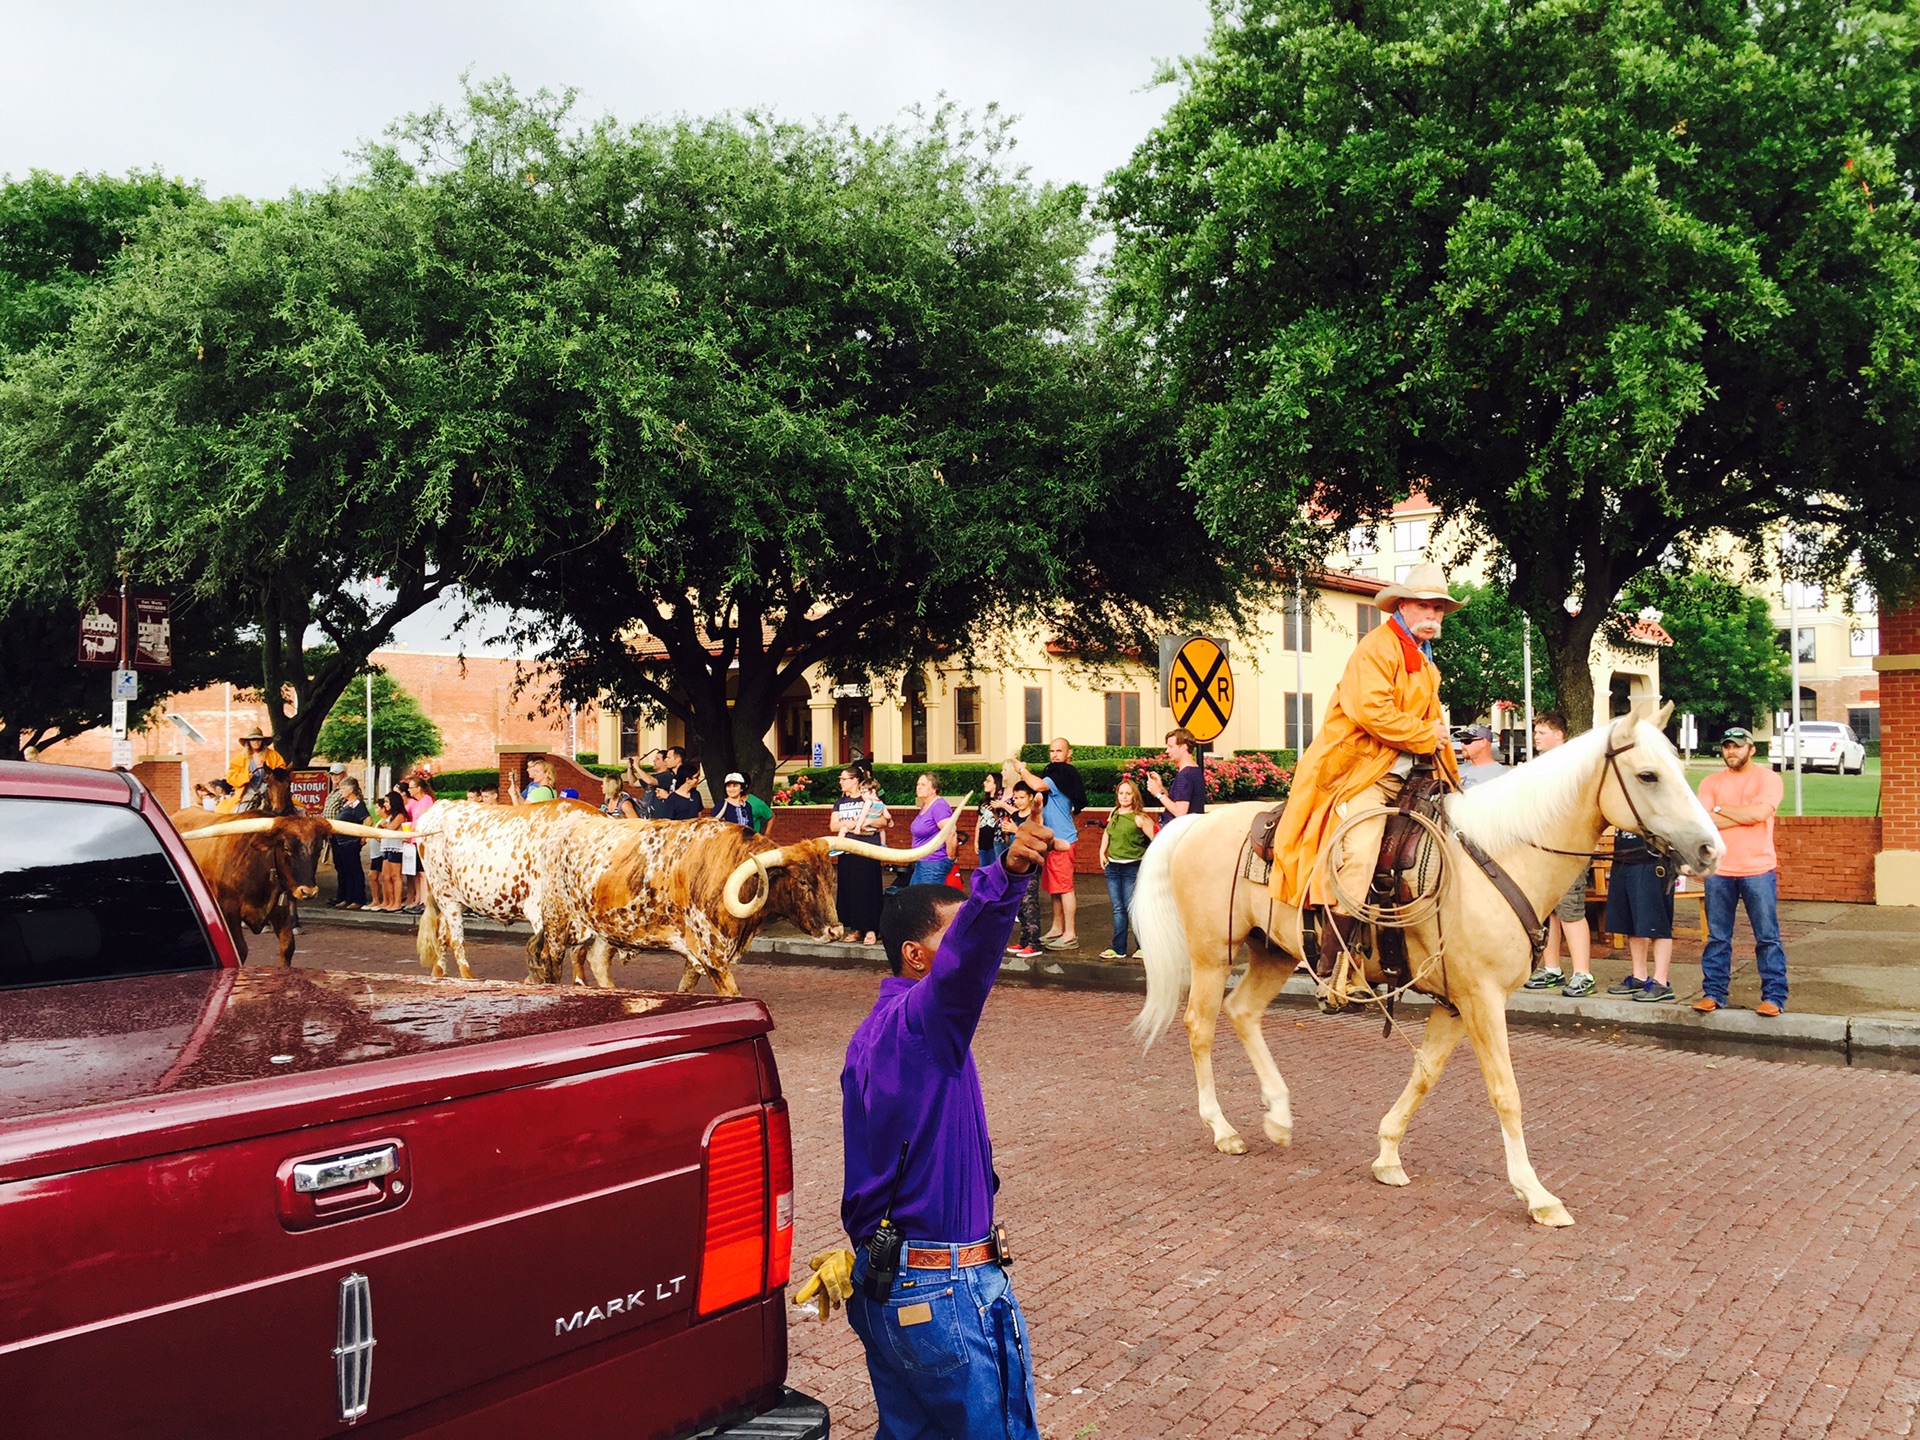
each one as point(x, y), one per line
point(677, 885)
point(258, 865)
point(482, 858)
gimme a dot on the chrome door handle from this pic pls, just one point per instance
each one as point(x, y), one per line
point(311, 1177)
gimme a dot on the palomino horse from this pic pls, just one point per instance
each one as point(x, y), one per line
point(1194, 912)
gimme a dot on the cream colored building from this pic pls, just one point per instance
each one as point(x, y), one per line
point(949, 714)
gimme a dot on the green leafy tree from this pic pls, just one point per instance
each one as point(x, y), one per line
point(1726, 665)
point(282, 411)
point(402, 731)
point(1481, 653)
point(57, 238)
point(801, 395)
point(1599, 278)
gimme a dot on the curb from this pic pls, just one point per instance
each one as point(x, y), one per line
point(1863, 1040)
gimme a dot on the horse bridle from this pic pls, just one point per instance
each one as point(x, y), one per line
point(1654, 843)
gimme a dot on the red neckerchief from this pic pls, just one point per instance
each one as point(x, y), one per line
point(1409, 647)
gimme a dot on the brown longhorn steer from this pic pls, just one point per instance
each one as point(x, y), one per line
point(258, 865)
point(625, 885)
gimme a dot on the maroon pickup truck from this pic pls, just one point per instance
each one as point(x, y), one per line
point(291, 1203)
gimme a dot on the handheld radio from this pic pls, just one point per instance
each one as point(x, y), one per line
point(883, 1250)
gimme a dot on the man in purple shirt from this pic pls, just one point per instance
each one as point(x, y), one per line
point(947, 1350)
point(1189, 793)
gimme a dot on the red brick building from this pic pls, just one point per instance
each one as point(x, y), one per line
point(1896, 872)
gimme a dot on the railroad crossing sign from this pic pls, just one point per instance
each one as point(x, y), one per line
point(1200, 688)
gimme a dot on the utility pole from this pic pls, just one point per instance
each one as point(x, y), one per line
point(1299, 669)
point(1526, 673)
point(372, 788)
point(1793, 649)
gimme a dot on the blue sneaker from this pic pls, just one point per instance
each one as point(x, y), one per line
point(1629, 987)
point(1654, 994)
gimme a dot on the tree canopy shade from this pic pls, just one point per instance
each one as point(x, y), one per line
point(402, 731)
point(797, 395)
point(57, 237)
point(282, 411)
point(1727, 666)
point(1481, 653)
point(1600, 278)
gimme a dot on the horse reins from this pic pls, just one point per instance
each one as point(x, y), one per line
point(1654, 842)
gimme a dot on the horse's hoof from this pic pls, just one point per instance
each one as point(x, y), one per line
point(1281, 1135)
point(1554, 1214)
point(1230, 1145)
point(1391, 1175)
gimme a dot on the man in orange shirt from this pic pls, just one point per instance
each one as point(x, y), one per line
point(1743, 799)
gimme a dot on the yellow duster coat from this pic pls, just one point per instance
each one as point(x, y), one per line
point(1380, 708)
point(240, 768)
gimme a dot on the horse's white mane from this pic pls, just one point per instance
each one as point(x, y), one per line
point(1533, 802)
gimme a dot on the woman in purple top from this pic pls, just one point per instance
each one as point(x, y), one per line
point(933, 812)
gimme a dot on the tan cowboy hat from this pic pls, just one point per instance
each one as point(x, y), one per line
point(256, 733)
point(1423, 582)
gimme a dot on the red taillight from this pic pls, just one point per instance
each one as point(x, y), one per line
point(735, 1257)
point(780, 1163)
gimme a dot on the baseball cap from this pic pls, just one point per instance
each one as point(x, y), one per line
point(1735, 735)
point(734, 777)
point(1480, 732)
point(336, 768)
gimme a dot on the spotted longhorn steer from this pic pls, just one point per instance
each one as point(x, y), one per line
point(625, 885)
point(483, 858)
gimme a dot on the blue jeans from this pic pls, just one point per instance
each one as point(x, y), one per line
point(959, 1367)
point(1121, 879)
point(1761, 895)
point(930, 871)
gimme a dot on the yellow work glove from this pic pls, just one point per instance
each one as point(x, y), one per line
point(831, 1284)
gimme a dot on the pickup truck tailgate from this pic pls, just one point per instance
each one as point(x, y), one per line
point(309, 1201)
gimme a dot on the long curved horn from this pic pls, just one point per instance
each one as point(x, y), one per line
point(842, 845)
point(351, 831)
point(757, 864)
point(258, 825)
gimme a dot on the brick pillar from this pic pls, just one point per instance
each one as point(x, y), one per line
point(166, 777)
point(1896, 871)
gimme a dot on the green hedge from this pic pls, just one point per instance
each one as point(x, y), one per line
point(1036, 755)
point(451, 784)
point(897, 781)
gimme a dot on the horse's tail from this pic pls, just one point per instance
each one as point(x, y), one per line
point(426, 939)
point(1155, 914)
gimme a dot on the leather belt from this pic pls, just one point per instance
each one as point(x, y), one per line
point(943, 1258)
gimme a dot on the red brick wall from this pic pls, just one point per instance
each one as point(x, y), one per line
point(162, 777)
point(1827, 857)
point(566, 774)
point(1900, 729)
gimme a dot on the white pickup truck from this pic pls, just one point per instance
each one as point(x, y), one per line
point(1830, 746)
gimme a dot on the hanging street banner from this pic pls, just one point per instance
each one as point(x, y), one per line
point(152, 647)
point(1200, 688)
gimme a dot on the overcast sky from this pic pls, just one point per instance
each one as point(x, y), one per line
point(258, 98)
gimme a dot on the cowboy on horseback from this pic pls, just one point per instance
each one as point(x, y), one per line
point(1385, 717)
point(255, 759)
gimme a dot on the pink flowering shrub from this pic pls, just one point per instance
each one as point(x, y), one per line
point(794, 792)
point(1235, 777)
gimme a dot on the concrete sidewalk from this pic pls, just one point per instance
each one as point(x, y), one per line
point(1854, 972)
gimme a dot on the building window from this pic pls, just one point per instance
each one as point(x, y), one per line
point(1864, 642)
point(1400, 573)
point(1123, 717)
point(966, 720)
point(629, 733)
point(1367, 618)
point(1804, 597)
point(1298, 625)
point(1299, 721)
point(1360, 541)
point(1864, 721)
point(1866, 601)
point(793, 727)
point(1806, 647)
point(1035, 726)
point(916, 736)
point(1410, 536)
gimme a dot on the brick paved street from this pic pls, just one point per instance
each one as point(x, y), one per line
point(1744, 1262)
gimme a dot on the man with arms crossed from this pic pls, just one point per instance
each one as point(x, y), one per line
point(1743, 799)
point(947, 1347)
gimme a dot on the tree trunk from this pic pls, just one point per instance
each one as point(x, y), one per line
point(1570, 649)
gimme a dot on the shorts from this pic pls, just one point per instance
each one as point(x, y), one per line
point(1056, 874)
point(1573, 904)
point(1640, 901)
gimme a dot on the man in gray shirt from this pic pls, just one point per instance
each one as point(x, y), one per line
point(1481, 766)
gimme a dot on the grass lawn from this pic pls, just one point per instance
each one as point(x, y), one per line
point(1821, 794)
